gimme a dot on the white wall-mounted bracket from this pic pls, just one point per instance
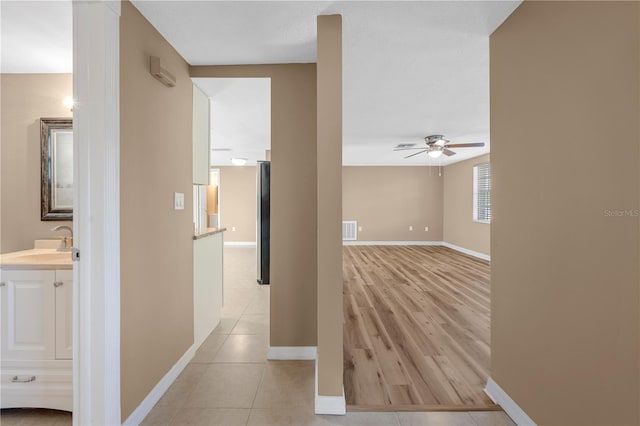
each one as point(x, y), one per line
point(160, 73)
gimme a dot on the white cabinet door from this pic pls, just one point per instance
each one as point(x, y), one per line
point(64, 314)
point(28, 314)
point(200, 137)
point(207, 286)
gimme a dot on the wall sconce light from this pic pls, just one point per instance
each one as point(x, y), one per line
point(160, 73)
point(68, 102)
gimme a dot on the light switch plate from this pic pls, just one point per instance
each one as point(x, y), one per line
point(178, 201)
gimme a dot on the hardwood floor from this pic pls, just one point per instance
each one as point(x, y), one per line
point(416, 329)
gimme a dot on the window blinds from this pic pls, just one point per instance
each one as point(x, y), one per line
point(482, 192)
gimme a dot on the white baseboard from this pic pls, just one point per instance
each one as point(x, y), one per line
point(467, 251)
point(240, 243)
point(292, 352)
point(334, 405)
point(419, 243)
point(391, 243)
point(156, 393)
point(500, 397)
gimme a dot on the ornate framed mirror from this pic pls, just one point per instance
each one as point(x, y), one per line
point(56, 169)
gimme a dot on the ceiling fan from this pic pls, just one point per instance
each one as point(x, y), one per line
point(436, 146)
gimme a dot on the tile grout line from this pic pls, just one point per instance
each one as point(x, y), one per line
point(182, 406)
point(264, 371)
point(214, 352)
point(253, 402)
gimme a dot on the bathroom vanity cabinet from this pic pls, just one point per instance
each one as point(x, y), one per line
point(36, 343)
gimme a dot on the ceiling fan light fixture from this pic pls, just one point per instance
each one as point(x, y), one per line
point(238, 161)
point(437, 140)
point(434, 153)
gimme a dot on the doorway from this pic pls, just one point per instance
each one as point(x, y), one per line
point(240, 138)
point(417, 309)
point(96, 319)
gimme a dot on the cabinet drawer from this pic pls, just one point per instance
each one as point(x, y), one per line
point(46, 384)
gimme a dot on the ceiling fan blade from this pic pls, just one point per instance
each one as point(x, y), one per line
point(466, 145)
point(424, 150)
point(407, 149)
point(448, 152)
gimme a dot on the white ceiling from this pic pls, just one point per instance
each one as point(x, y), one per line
point(36, 37)
point(240, 118)
point(410, 68)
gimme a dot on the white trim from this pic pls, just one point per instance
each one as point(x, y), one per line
point(160, 388)
point(240, 243)
point(419, 243)
point(392, 243)
point(335, 405)
point(292, 352)
point(467, 251)
point(500, 397)
point(96, 295)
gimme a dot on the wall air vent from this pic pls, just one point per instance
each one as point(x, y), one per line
point(349, 230)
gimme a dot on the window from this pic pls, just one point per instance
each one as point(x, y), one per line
point(482, 193)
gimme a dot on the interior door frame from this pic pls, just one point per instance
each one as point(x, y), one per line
point(96, 209)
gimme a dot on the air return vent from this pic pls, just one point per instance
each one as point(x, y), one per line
point(349, 230)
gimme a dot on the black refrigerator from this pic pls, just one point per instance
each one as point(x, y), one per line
point(263, 228)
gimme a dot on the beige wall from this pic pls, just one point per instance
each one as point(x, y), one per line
point(25, 99)
point(387, 200)
point(156, 241)
point(330, 357)
point(565, 150)
point(238, 203)
point(293, 196)
point(459, 226)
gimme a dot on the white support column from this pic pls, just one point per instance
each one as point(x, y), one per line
point(96, 118)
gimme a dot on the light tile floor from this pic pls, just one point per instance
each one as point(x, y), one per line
point(229, 381)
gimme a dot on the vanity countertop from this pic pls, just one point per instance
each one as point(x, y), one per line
point(36, 259)
point(205, 232)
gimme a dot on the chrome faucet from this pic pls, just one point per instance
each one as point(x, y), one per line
point(67, 242)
